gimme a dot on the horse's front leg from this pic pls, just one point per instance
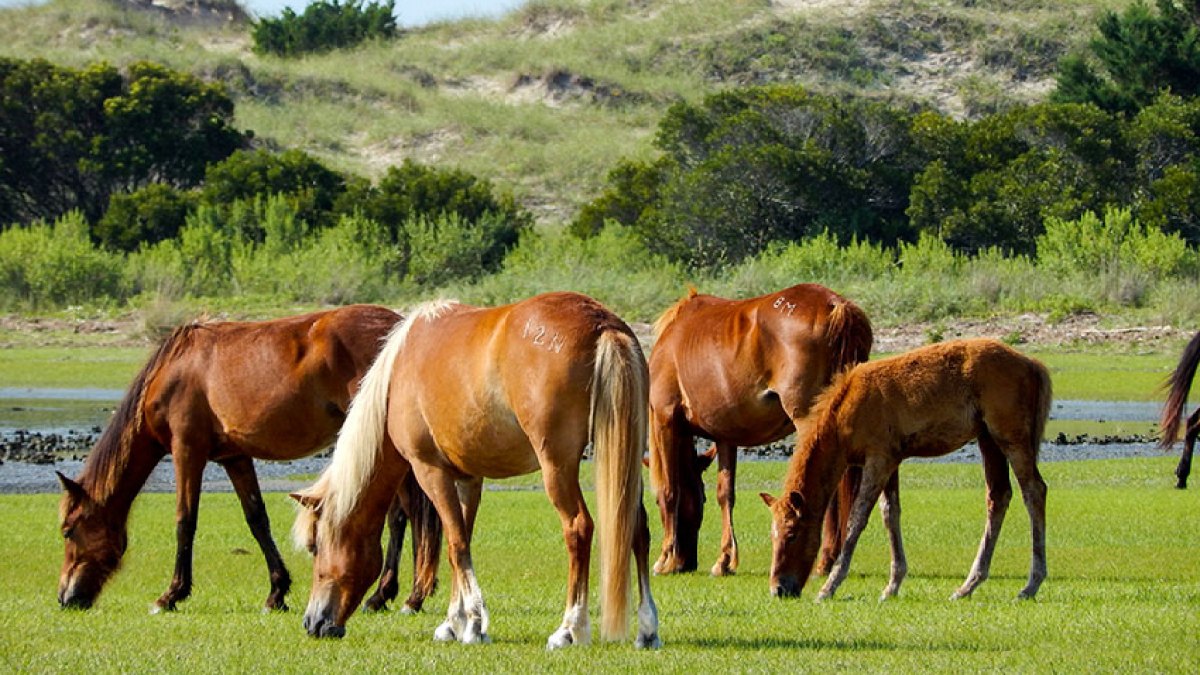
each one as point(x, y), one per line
point(388, 586)
point(890, 508)
point(189, 471)
point(1184, 469)
point(467, 616)
point(562, 488)
point(241, 473)
point(727, 559)
point(875, 476)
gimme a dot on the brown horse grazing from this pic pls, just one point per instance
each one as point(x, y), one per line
point(741, 373)
point(926, 403)
point(1178, 385)
point(459, 394)
point(223, 392)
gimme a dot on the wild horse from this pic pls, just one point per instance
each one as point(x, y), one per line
point(227, 392)
point(459, 394)
point(925, 403)
point(741, 373)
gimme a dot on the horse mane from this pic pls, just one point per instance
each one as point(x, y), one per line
point(360, 440)
point(821, 426)
point(672, 312)
point(107, 461)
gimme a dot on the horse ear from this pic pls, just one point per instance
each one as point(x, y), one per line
point(75, 490)
point(306, 500)
point(705, 459)
point(796, 501)
point(767, 499)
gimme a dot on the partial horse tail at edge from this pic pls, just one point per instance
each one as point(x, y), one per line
point(620, 389)
point(360, 440)
point(849, 334)
point(1178, 385)
point(1045, 396)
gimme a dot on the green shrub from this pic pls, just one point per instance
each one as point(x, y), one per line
point(1116, 243)
point(44, 265)
point(143, 217)
point(312, 187)
point(324, 25)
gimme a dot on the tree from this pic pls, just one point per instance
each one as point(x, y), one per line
point(1136, 55)
point(324, 25)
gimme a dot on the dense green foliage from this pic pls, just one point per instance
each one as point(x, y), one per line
point(1136, 55)
point(1103, 607)
point(324, 25)
point(69, 139)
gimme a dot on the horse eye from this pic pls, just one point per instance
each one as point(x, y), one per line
point(68, 532)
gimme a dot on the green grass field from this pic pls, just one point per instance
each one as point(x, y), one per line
point(1122, 594)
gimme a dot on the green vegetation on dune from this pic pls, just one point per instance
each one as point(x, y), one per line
point(1103, 608)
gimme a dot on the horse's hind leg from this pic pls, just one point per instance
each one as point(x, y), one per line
point(1033, 490)
point(562, 488)
point(999, 493)
point(240, 469)
point(647, 636)
point(426, 543)
point(875, 476)
point(388, 586)
point(890, 508)
point(1189, 445)
point(727, 560)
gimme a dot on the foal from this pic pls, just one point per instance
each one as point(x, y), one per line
point(925, 403)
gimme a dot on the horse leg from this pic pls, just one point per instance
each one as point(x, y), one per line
point(727, 560)
point(189, 460)
point(681, 516)
point(999, 493)
point(466, 617)
point(1189, 444)
point(562, 488)
point(240, 469)
point(889, 507)
point(1033, 491)
point(837, 514)
point(388, 586)
point(875, 476)
point(647, 636)
point(426, 543)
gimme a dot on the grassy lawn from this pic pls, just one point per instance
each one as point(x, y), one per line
point(1121, 596)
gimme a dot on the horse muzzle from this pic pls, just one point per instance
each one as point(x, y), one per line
point(320, 624)
point(787, 586)
point(73, 595)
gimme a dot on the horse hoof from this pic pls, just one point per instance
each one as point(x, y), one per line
point(559, 639)
point(651, 641)
point(445, 633)
point(722, 570)
point(409, 611)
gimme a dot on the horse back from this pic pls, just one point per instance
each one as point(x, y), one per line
point(486, 389)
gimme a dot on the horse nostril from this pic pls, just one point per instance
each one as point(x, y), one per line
point(786, 587)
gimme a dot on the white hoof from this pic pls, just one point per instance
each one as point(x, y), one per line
point(408, 611)
point(474, 635)
point(559, 639)
point(445, 633)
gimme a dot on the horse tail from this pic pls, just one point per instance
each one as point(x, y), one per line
point(1045, 395)
point(1178, 385)
point(108, 459)
point(620, 390)
point(849, 335)
point(360, 440)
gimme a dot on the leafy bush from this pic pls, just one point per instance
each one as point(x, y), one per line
point(312, 187)
point(1116, 243)
point(324, 25)
point(143, 217)
point(52, 265)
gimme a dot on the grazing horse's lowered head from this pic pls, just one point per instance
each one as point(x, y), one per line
point(795, 541)
point(94, 540)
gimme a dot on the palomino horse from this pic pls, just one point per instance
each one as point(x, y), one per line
point(224, 392)
point(1178, 385)
point(925, 403)
point(459, 394)
point(741, 373)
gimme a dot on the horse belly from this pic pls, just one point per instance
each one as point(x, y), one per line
point(487, 449)
point(742, 424)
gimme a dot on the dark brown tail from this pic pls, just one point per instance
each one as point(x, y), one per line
point(1178, 385)
point(850, 335)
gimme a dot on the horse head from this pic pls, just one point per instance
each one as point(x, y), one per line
point(95, 539)
point(345, 565)
point(795, 541)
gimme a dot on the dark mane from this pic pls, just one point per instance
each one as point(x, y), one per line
point(822, 422)
point(107, 461)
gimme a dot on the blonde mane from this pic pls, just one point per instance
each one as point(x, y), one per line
point(361, 437)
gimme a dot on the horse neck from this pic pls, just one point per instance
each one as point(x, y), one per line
point(113, 476)
point(817, 466)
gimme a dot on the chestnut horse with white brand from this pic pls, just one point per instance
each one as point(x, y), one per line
point(227, 392)
point(1178, 386)
point(740, 373)
point(925, 403)
point(459, 394)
